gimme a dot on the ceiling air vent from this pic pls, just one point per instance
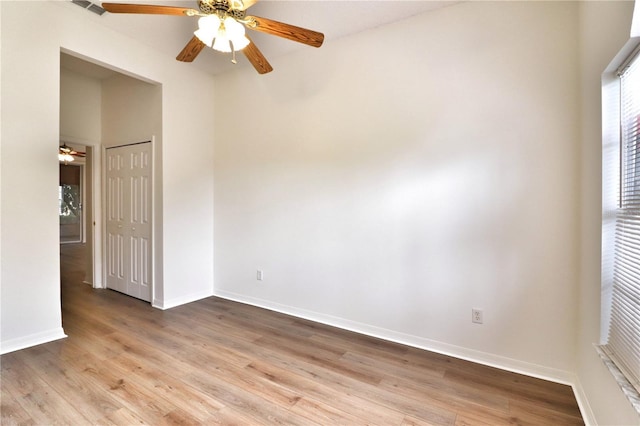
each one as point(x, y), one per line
point(89, 6)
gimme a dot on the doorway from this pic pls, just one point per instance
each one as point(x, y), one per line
point(101, 108)
point(70, 201)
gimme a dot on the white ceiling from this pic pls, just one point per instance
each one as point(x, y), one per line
point(334, 18)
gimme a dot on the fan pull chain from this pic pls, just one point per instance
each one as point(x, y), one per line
point(233, 53)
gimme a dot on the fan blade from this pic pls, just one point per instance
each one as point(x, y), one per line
point(148, 9)
point(191, 50)
point(291, 32)
point(257, 59)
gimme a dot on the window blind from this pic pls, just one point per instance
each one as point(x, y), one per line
point(623, 345)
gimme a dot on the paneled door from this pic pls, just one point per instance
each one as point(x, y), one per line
point(129, 190)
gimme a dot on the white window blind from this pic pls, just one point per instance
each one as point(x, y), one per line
point(623, 345)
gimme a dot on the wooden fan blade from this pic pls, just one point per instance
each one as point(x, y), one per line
point(291, 32)
point(257, 59)
point(148, 9)
point(191, 50)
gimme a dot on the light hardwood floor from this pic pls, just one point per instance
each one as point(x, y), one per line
point(220, 362)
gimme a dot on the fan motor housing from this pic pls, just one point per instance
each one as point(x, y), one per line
point(213, 6)
point(222, 8)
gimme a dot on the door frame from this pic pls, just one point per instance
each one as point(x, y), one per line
point(103, 154)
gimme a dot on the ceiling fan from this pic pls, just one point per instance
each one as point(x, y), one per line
point(222, 26)
point(67, 154)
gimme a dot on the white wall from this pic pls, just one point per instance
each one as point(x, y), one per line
point(391, 181)
point(131, 111)
point(33, 33)
point(80, 107)
point(30, 270)
point(604, 29)
point(1, 115)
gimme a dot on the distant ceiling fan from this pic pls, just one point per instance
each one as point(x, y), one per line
point(67, 154)
point(222, 27)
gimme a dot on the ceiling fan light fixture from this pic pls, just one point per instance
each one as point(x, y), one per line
point(225, 35)
point(65, 157)
point(222, 27)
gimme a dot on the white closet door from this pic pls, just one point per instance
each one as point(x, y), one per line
point(128, 199)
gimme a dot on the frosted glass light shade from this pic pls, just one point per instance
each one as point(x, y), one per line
point(65, 157)
point(207, 29)
point(216, 33)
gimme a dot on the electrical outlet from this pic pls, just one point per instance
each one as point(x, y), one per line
point(259, 275)
point(476, 316)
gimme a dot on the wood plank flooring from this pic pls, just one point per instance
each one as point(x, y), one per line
point(220, 362)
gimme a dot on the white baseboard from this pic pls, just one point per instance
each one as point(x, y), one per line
point(583, 403)
point(31, 340)
point(183, 300)
point(492, 360)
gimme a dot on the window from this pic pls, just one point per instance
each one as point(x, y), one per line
point(622, 347)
